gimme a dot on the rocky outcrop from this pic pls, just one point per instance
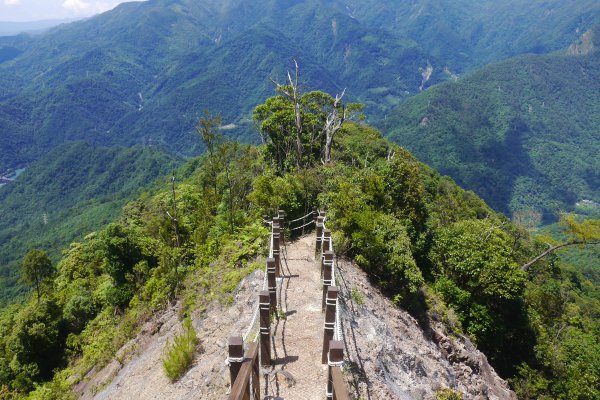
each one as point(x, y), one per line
point(392, 357)
point(584, 46)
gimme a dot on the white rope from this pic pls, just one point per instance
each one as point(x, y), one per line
point(307, 224)
point(298, 219)
point(254, 319)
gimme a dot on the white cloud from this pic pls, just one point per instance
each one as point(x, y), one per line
point(12, 2)
point(86, 6)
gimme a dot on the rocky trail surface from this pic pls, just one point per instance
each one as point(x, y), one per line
point(389, 355)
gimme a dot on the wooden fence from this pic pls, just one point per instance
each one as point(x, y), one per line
point(245, 366)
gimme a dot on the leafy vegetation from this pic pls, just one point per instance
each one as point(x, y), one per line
point(180, 353)
point(71, 191)
point(36, 268)
point(448, 394)
point(507, 133)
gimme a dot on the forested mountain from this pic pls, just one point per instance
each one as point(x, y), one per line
point(522, 133)
point(144, 71)
point(404, 224)
point(65, 195)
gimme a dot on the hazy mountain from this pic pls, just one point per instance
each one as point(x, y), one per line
point(521, 133)
point(8, 28)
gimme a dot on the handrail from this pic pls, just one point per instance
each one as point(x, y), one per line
point(245, 370)
point(301, 218)
point(337, 331)
point(250, 369)
point(340, 392)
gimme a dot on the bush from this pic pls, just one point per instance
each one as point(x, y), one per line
point(180, 353)
point(448, 394)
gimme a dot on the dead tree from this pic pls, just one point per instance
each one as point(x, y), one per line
point(333, 123)
point(292, 92)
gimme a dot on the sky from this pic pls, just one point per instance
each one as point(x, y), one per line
point(34, 10)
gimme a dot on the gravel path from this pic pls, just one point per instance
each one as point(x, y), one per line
point(298, 338)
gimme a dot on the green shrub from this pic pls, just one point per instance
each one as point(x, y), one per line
point(357, 297)
point(180, 353)
point(448, 394)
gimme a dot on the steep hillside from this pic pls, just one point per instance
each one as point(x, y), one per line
point(522, 133)
point(145, 70)
point(407, 228)
point(68, 193)
point(390, 356)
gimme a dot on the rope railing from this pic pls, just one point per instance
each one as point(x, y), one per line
point(303, 226)
point(337, 330)
point(333, 345)
point(303, 222)
point(302, 218)
point(252, 326)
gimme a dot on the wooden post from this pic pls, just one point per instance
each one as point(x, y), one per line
point(236, 357)
point(247, 383)
point(281, 214)
point(331, 304)
point(265, 327)
point(255, 378)
point(319, 226)
point(278, 221)
point(334, 380)
point(272, 285)
point(327, 272)
point(277, 250)
point(326, 240)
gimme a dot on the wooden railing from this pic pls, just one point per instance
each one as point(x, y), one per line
point(245, 368)
point(244, 371)
point(333, 345)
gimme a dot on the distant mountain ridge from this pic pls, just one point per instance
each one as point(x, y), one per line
point(145, 70)
point(522, 133)
point(9, 28)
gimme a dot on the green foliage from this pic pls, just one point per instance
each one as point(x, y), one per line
point(502, 132)
point(357, 297)
point(479, 257)
point(36, 343)
point(292, 147)
point(180, 354)
point(448, 394)
point(36, 268)
point(68, 193)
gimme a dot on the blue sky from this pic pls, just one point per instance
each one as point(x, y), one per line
point(33, 10)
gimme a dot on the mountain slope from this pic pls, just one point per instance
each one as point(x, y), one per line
point(68, 193)
point(145, 70)
point(523, 133)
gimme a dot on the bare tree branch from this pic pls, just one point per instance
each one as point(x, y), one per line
point(526, 266)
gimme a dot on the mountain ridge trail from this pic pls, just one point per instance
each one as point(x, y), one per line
point(387, 353)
